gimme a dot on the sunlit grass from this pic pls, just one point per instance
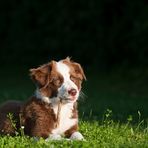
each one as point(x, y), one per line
point(105, 133)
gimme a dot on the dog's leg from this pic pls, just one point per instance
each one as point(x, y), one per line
point(54, 137)
point(76, 136)
point(73, 133)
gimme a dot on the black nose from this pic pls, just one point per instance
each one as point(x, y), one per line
point(72, 92)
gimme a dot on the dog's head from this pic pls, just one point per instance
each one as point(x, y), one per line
point(59, 79)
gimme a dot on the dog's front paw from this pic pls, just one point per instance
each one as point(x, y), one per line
point(54, 137)
point(77, 136)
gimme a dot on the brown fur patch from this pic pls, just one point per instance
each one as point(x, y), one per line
point(70, 131)
point(47, 79)
point(38, 118)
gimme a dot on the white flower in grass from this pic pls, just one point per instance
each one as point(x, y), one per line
point(22, 127)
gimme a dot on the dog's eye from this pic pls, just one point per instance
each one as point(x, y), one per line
point(73, 78)
point(56, 81)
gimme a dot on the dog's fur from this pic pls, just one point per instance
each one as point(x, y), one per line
point(58, 83)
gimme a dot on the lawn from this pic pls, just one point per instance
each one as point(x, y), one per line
point(113, 111)
point(107, 134)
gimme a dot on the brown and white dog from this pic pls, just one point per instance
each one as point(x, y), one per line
point(52, 112)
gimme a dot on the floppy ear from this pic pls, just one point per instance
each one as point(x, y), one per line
point(40, 75)
point(78, 69)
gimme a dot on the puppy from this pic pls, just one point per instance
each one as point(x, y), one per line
point(52, 111)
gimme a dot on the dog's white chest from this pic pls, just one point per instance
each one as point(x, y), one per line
point(65, 120)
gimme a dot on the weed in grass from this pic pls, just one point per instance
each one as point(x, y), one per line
point(20, 131)
point(13, 122)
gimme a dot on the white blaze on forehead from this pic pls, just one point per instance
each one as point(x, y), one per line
point(63, 69)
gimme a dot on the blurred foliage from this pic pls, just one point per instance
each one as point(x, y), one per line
point(95, 32)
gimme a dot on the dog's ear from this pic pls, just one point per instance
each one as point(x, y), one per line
point(78, 69)
point(41, 74)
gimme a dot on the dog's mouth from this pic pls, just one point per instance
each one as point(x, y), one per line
point(67, 99)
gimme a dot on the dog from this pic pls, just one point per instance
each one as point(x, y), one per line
point(52, 111)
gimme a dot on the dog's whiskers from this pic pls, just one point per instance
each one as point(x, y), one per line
point(82, 95)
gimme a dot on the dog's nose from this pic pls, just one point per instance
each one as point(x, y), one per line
point(72, 92)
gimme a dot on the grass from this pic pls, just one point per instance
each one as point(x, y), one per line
point(107, 134)
point(113, 113)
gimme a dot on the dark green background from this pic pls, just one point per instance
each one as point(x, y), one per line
point(94, 32)
point(108, 37)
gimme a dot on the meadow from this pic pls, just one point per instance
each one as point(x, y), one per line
point(113, 109)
